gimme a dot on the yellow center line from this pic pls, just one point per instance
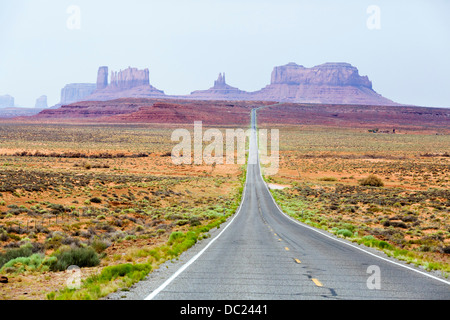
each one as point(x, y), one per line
point(317, 282)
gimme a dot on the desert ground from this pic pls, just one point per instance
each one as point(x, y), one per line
point(111, 190)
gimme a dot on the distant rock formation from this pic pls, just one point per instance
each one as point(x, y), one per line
point(76, 92)
point(329, 83)
point(129, 83)
point(6, 101)
point(220, 82)
point(129, 78)
point(332, 74)
point(220, 91)
point(41, 102)
point(102, 78)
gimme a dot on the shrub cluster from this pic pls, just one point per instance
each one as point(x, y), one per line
point(35, 262)
point(24, 258)
point(372, 181)
point(81, 257)
point(10, 254)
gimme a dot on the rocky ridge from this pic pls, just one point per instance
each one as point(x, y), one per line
point(232, 112)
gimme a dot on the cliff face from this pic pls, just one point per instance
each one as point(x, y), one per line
point(129, 83)
point(41, 102)
point(102, 78)
point(129, 78)
point(332, 74)
point(75, 92)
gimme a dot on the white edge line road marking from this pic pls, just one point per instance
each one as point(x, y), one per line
point(194, 258)
point(346, 243)
point(187, 264)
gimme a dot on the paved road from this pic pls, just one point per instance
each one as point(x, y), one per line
point(263, 254)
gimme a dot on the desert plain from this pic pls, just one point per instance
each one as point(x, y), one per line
point(106, 195)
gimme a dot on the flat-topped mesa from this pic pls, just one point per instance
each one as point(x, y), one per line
point(328, 83)
point(129, 78)
point(331, 74)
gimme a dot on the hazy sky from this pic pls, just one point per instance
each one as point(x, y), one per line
point(185, 44)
